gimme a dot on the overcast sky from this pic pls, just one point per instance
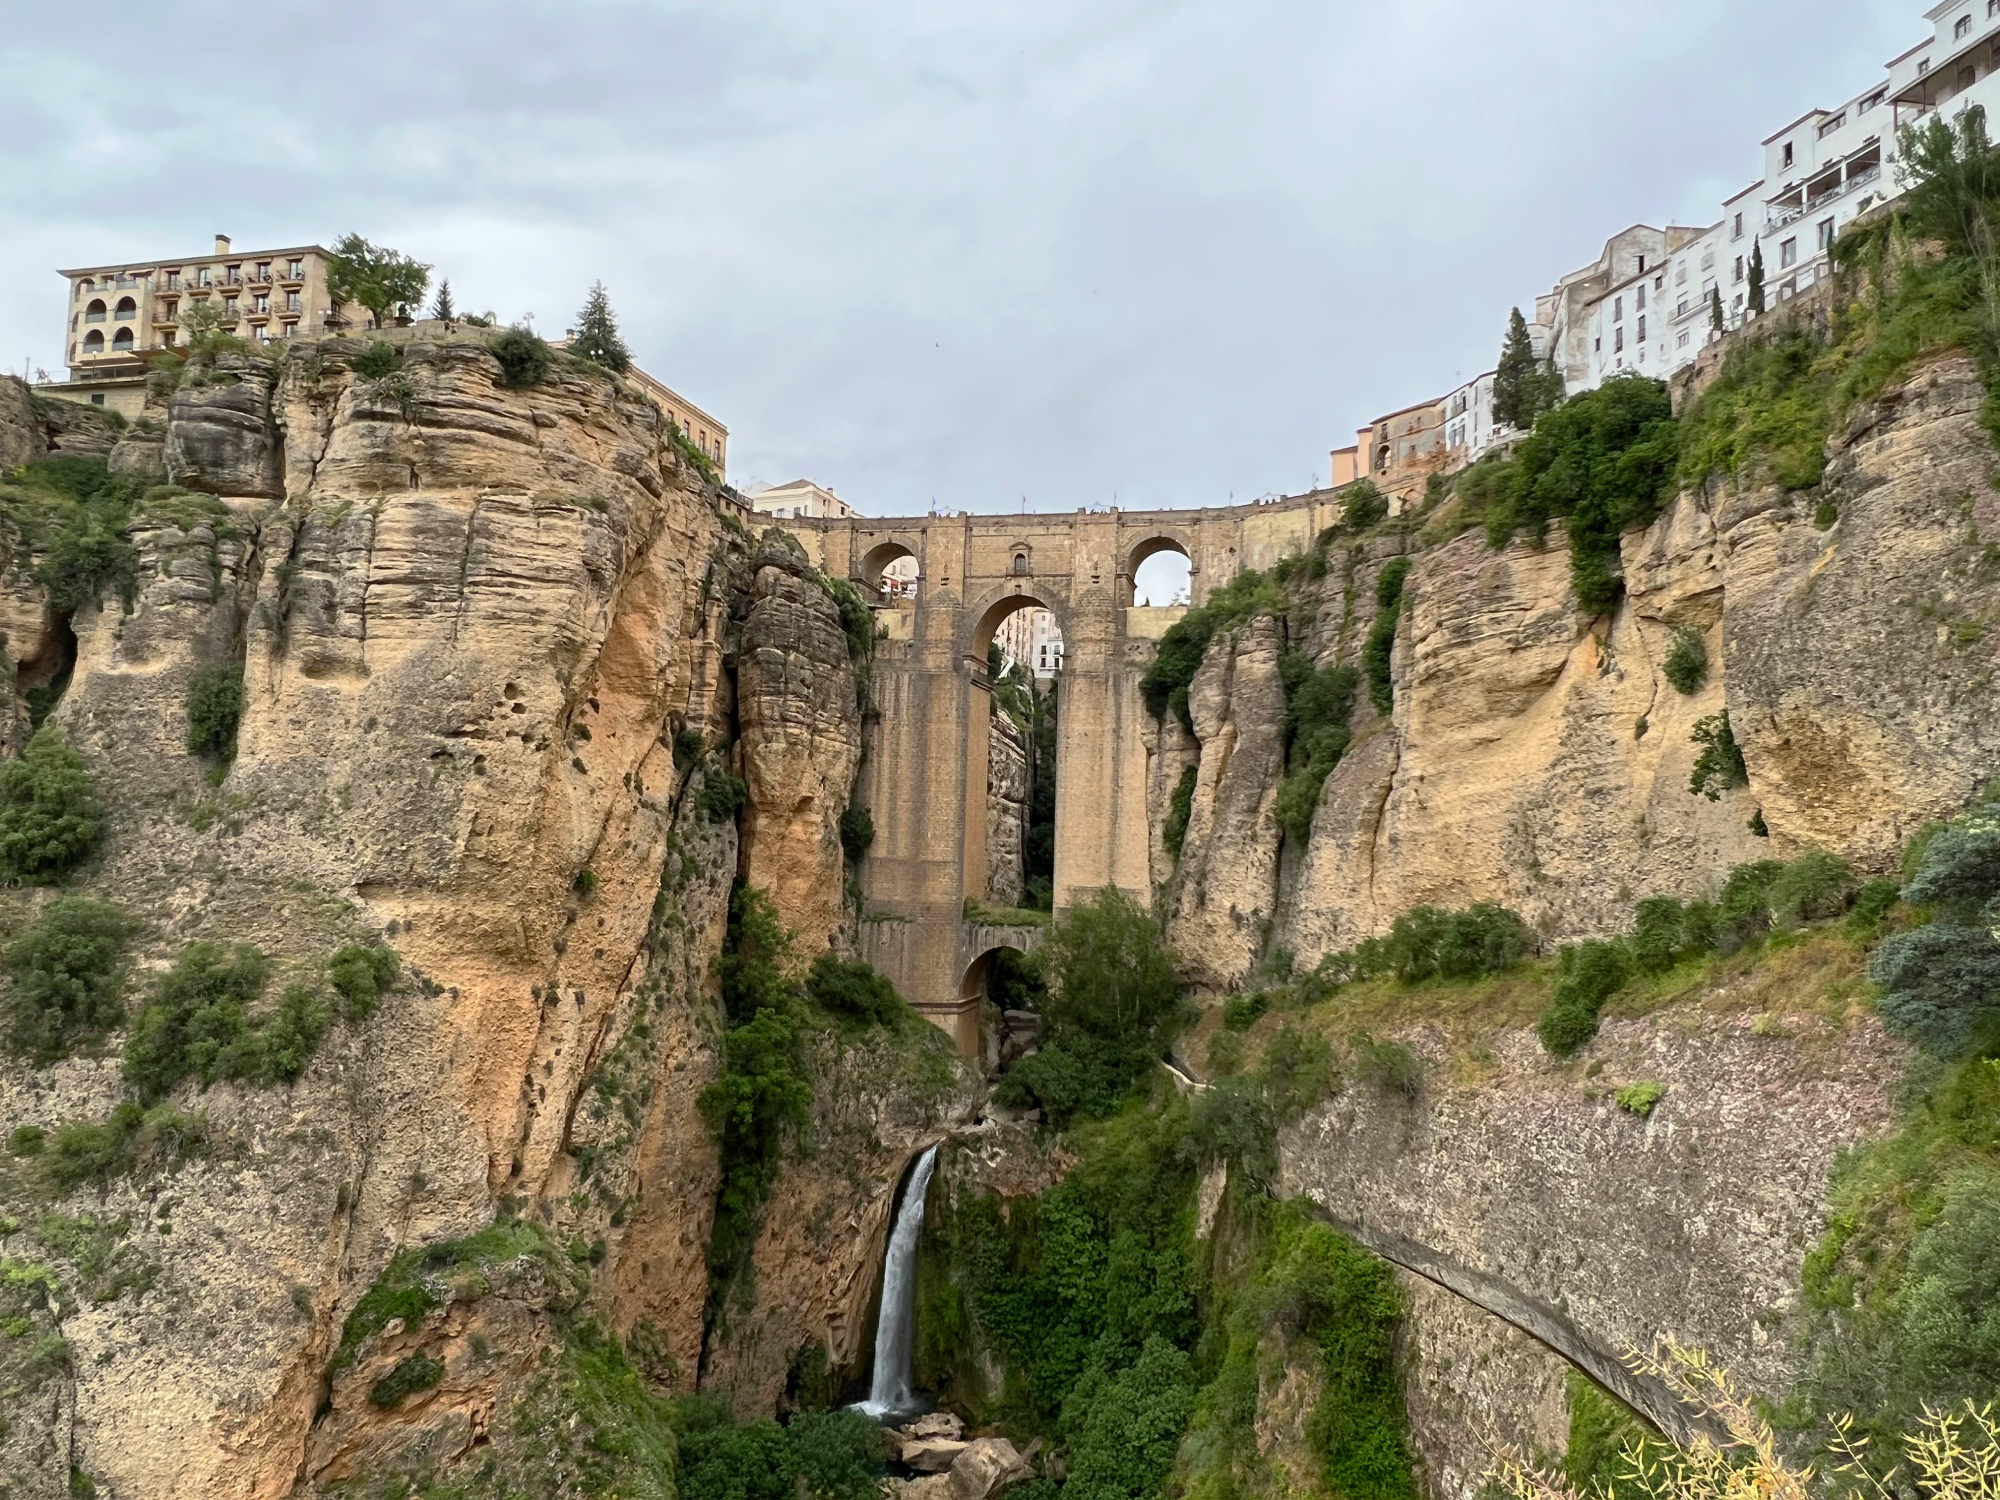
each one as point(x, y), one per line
point(1153, 252)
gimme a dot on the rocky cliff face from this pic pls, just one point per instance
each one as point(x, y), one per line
point(1006, 809)
point(482, 630)
point(1540, 758)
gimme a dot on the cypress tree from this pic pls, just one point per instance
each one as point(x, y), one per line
point(442, 309)
point(1517, 395)
point(1715, 309)
point(1757, 280)
point(596, 338)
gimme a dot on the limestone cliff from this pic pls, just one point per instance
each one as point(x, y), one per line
point(494, 642)
point(1006, 808)
point(1537, 757)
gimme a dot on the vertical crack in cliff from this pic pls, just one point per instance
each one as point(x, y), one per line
point(464, 566)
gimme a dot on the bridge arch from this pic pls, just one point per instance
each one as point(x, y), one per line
point(877, 560)
point(1160, 543)
point(985, 613)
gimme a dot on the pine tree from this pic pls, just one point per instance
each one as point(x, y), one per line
point(1516, 383)
point(442, 308)
point(1757, 280)
point(1715, 309)
point(596, 337)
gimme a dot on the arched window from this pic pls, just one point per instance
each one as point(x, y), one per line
point(85, 285)
point(94, 313)
point(127, 308)
point(1020, 564)
point(121, 341)
point(93, 341)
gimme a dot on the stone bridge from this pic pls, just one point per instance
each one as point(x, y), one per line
point(924, 780)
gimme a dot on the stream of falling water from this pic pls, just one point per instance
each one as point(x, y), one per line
point(889, 1393)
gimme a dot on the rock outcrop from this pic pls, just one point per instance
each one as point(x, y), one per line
point(479, 628)
point(1006, 809)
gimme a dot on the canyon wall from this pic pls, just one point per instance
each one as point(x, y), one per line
point(495, 643)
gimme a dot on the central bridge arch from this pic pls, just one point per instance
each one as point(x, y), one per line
point(924, 779)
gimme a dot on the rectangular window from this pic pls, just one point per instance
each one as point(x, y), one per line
point(1639, 301)
point(1826, 234)
point(1788, 153)
point(1681, 308)
point(1923, 66)
point(298, 270)
point(1737, 232)
point(1962, 29)
point(1739, 269)
point(1682, 341)
point(1617, 309)
point(1875, 99)
point(1642, 328)
point(291, 302)
point(1788, 254)
point(1828, 127)
point(1619, 339)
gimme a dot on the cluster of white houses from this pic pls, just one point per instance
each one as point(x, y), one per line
point(1644, 305)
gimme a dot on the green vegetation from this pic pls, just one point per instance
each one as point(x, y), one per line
point(442, 307)
point(65, 976)
point(524, 358)
point(857, 832)
point(49, 813)
point(1603, 1437)
point(1941, 981)
point(1756, 899)
point(1770, 406)
point(73, 513)
point(1523, 386)
point(362, 973)
point(198, 1022)
point(1719, 768)
point(131, 1140)
point(722, 792)
point(1388, 1065)
point(985, 914)
point(418, 1372)
point(1686, 666)
point(1430, 942)
point(835, 1455)
point(1318, 706)
point(597, 338)
point(381, 358)
point(1243, 598)
point(1112, 1007)
point(1639, 1098)
point(1379, 651)
point(854, 991)
point(214, 710)
point(1603, 460)
point(1362, 505)
point(857, 620)
point(1180, 807)
point(375, 276)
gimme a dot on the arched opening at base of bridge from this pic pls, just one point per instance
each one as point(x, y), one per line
point(1005, 989)
point(1014, 782)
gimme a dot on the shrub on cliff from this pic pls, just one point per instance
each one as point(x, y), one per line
point(857, 832)
point(855, 991)
point(214, 710)
point(1686, 666)
point(1362, 505)
point(1590, 974)
point(722, 793)
point(1720, 767)
point(1429, 942)
point(1319, 705)
point(49, 812)
point(1941, 982)
point(196, 1020)
point(1180, 807)
point(65, 974)
point(524, 358)
point(597, 338)
point(1113, 1002)
point(834, 1455)
point(1605, 461)
point(362, 973)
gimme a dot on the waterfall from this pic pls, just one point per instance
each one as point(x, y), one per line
point(889, 1392)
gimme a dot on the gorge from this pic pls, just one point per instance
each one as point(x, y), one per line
point(482, 1054)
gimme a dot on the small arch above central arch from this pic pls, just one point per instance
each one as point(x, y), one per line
point(1159, 570)
point(889, 568)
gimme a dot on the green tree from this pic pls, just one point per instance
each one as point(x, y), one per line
point(1520, 384)
point(214, 710)
point(375, 276)
point(49, 812)
point(597, 338)
point(442, 308)
point(1362, 505)
point(65, 974)
point(1715, 319)
point(1757, 280)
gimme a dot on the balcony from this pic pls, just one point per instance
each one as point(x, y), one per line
point(95, 317)
point(259, 278)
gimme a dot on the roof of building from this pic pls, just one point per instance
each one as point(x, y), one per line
point(1906, 56)
point(161, 260)
point(1738, 198)
point(1811, 114)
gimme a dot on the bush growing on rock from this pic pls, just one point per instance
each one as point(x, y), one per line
point(196, 1020)
point(854, 991)
point(417, 1372)
point(1429, 942)
point(1591, 973)
point(49, 812)
point(1720, 767)
point(857, 832)
point(1362, 505)
point(214, 710)
point(362, 973)
point(1815, 887)
point(524, 358)
point(380, 358)
point(65, 972)
point(1941, 982)
point(722, 793)
point(1180, 807)
point(1686, 666)
point(1113, 1003)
